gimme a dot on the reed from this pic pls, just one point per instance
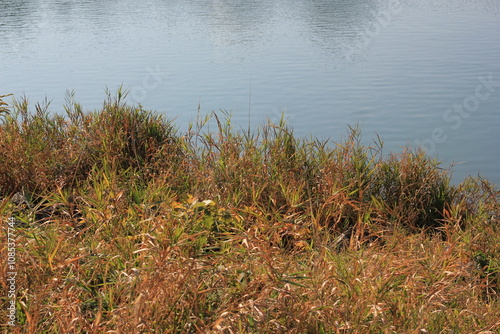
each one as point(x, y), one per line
point(127, 224)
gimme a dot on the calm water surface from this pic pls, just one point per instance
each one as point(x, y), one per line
point(417, 72)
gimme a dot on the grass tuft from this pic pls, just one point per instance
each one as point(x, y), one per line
point(125, 224)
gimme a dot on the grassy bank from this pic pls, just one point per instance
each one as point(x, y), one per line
point(126, 225)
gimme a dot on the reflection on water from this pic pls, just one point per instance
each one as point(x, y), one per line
point(394, 66)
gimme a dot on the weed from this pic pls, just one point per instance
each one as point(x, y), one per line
point(128, 225)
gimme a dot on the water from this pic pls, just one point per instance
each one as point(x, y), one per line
point(412, 71)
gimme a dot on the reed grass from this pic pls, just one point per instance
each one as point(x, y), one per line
point(126, 224)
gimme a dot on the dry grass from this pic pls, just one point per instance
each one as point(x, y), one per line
point(126, 225)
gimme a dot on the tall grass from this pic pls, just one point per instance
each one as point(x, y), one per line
point(42, 151)
point(126, 224)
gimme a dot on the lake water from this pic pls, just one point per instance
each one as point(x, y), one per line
point(415, 72)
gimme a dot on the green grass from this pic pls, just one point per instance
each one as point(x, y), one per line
point(127, 224)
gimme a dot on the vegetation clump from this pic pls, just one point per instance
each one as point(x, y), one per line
point(126, 224)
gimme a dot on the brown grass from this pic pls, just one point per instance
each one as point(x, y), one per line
point(126, 225)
